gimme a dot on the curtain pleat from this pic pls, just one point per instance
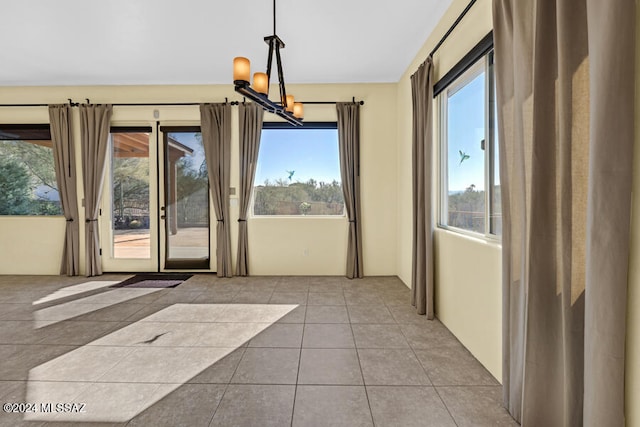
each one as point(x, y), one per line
point(563, 73)
point(513, 70)
point(422, 273)
point(65, 167)
point(251, 117)
point(216, 138)
point(612, 35)
point(349, 148)
point(94, 132)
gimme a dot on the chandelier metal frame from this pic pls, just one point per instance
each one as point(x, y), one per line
point(243, 87)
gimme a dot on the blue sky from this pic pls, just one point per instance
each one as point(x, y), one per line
point(311, 153)
point(465, 131)
point(194, 142)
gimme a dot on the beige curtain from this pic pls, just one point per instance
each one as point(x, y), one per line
point(422, 273)
point(349, 148)
point(94, 132)
point(216, 138)
point(565, 79)
point(65, 166)
point(251, 117)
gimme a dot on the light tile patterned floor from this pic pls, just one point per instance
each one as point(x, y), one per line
point(257, 351)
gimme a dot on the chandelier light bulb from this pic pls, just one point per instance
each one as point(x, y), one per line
point(298, 110)
point(290, 102)
point(241, 69)
point(261, 83)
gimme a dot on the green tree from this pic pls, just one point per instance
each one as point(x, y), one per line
point(37, 159)
point(306, 198)
point(45, 207)
point(192, 186)
point(330, 193)
point(15, 191)
point(466, 209)
point(130, 183)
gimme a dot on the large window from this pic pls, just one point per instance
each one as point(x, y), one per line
point(469, 181)
point(27, 175)
point(298, 171)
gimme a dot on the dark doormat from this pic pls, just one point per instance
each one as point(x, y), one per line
point(153, 281)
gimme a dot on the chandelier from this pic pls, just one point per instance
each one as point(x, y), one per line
point(258, 92)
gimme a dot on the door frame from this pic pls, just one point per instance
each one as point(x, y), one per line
point(109, 262)
point(157, 230)
point(163, 196)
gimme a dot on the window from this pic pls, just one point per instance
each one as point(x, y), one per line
point(298, 171)
point(27, 174)
point(469, 181)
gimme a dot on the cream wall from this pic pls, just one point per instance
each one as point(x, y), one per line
point(467, 300)
point(318, 246)
point(470, 31)
point(277, 246)
point(469, 294)
point(31, 245)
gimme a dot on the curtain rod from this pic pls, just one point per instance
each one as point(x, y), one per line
point(453, 26)
point(353, 100)
point(140, 104)
point(71, 104)
point(329, 102)
point(24, 105)
point(159, 104)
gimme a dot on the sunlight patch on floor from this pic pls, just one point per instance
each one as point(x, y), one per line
point(80, 288)
point(118, 376)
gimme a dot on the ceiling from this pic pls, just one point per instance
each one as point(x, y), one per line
point(122, 42)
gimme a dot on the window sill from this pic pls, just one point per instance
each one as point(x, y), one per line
point(470, 235)
point(298, 217)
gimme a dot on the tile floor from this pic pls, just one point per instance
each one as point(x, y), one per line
point(258, 351)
